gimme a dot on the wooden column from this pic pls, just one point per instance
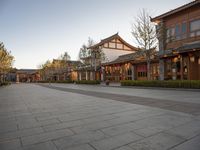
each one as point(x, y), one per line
point(17, 78)
point(161, 69)
point(133, 72)
point(181, 66)
point(86, 75)
point(58, 77)
point(188, 67)
point(80, 76)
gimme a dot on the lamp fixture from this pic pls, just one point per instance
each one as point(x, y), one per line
point(192, 59)
point(175, 59)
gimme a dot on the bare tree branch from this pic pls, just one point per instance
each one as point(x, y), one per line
point(143, 30)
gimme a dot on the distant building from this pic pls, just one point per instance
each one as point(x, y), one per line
point(179, 42)
point(111, 47)
point(61, 71)
point(11, 75)
point(86, 71)
point(27, 75)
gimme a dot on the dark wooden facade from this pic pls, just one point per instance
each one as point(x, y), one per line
point(131, 67)
point(27, 75)
point(179, 42)
point(61, 71)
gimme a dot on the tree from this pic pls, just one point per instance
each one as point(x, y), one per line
point(57, 66)
point(62, 62)
point(6, 61)
point(65, 56)
point(143, 30)
point(45, 70)
point(95, 55)
point(84, 51)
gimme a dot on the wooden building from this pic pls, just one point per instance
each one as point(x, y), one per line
point(27, 75)
point(179, 42)
point(131, 67)
point(61, 70)
point(87, 70)
point(111, 48)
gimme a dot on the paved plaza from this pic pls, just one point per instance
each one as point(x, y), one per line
point(80, 117)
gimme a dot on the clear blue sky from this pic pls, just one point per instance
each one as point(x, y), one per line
point(38, 30)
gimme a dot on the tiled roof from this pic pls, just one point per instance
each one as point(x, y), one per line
point(188, 47)
point(111, 38)
point(129, 57)
point(88, 68)
point(192, 46)
point(75, 62)
point(183, 7)
point(29, 71)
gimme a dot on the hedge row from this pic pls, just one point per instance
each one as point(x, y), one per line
point(195, 84)
point(88, 82)
point(62, 81)
point(4, 83)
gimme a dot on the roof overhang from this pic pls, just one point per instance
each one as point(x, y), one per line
point(186, 48)
point(176, 10)
point(96, 46)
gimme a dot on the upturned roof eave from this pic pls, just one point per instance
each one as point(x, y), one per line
point(110, 38)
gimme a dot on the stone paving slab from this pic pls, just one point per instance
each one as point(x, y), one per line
point(79, 139)
point(187, 130)
point(124, 148)
point(82, 147)
point(33, 117)
point(7, 127)
point(186, 107)
point(193, 144)
point(41, 146)
point(157, 142)
point(180, 95)
point(116, 141)
point(43, 137)
point(20, 133)
point(10, 144)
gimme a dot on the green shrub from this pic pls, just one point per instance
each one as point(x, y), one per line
point(88, 82)
point(195, 84)
point(4, 83)
point(64, 81)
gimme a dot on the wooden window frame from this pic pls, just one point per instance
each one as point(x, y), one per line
point(194, 31)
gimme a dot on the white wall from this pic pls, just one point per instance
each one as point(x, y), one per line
point(112, 54)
